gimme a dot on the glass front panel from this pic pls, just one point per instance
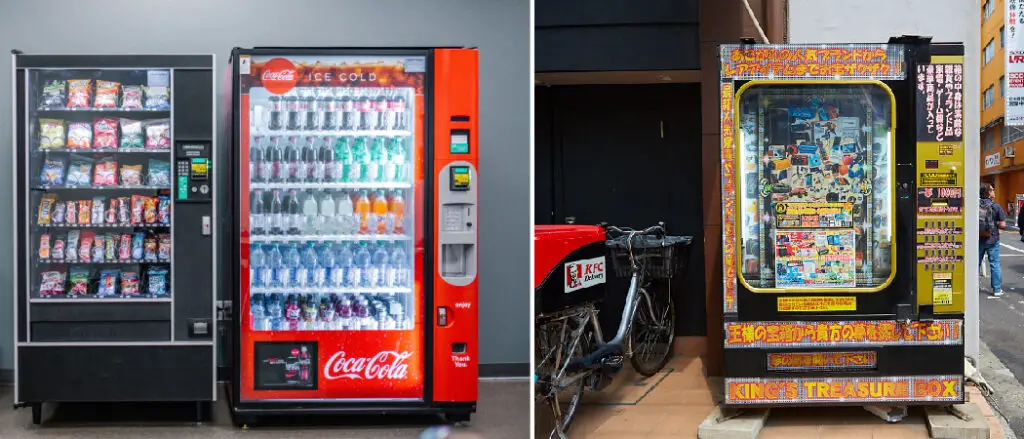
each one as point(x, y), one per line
point(815, 195)
point(99, 149)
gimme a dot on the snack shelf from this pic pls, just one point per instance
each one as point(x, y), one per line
point(329, 290)
point(106, 151)
point(334, 133)
point(100, 187)
point(121, 299)
point(125, 262)
point(106, 226)
point(339, 185)
point(43, 113)
point(327, 238)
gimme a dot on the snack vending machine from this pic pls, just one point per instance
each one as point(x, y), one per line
point(113, 286)
point(842, 175)
point(354, 253)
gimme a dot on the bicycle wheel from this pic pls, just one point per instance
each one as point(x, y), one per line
point(557, 343)
point(653, 335)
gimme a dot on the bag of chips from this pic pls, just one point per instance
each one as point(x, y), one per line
point(79, 93)
point(149, 249)
point(84, 212)
point(106, 94)
point(159, 173)
point(110, 217)
point(52, 173)
point(158, 98)
point(164, 210)
point(99, 248)
point(51, 284)
point(111, 251)
point(105, 133)
point(131, 98)
point(79, 135)
point(131, 175)
point(80, 171)
point(79, 282)
point(98, 209)
point(57, 252)
point(138, 206)
point(45, 214)
point(85, 248)
point(158, 134)
point(156, 281)
point(71, 247)
point(105, 172)
point(164, 249)
point(124, 210)
point(44, 246)
point(51, 134)
point(58, 213)
point(129, 283)
point(149, 215)
point(124, 248)
point(108, 283)
point(71, 212)
point(138, 241)
point(54, 94)
point(131, 134)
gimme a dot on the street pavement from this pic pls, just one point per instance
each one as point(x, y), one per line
point(1002, 333)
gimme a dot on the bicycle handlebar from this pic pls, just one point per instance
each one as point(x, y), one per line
point(656, 230)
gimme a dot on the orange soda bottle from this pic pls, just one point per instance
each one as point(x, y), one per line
point(398, 211)
point(363, 210)
point(380, 211)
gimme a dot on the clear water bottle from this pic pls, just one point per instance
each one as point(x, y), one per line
point(397, 312)
point(328, 214)
point(258, 312)
point(399, 276)
point(309, 218)
point(282, 275)
point(379, 266)
point(347, 222)
point(275, 311)
point(258, 271)
point(309, 265)
point(322, 272)
point(385, 320)
point(344, 272)
point(363, 265)
point(293, 265)
point(257, 215)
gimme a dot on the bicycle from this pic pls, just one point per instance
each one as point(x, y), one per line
point(572, 354)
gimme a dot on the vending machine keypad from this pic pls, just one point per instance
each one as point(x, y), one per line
point(192, 182)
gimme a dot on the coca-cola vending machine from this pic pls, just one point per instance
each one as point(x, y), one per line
point(354, 262)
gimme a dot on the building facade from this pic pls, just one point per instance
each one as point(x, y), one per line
point(998, 141)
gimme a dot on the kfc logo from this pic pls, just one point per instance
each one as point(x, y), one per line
point(584, 273)
point(279, 76)
point(386, 365)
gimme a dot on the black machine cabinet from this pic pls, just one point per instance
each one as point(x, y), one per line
point(114, 269)
point(840, 162)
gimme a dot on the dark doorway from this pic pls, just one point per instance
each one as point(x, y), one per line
point(627, 155)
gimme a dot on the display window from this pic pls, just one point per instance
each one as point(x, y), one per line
point(815, 195)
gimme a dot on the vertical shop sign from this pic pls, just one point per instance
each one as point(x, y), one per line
point(1014, 93)
point(940, 96)
point(728, 198)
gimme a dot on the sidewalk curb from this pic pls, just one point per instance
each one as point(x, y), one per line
point(1009, 393)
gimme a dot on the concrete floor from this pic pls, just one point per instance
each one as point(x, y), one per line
point(502, 412)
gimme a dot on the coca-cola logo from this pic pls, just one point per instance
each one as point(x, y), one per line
point(386, 365)
point(279, 76)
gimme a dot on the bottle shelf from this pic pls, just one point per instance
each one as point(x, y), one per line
point(329, 290)
point(336, 185)
point(106, 151)
point(333, 133)
point(110, 299)
point(327, 238)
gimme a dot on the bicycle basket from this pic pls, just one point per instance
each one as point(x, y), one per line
point(661, 258)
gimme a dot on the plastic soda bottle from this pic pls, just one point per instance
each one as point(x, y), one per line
point(292, 312)
point(344, 272)
point(309, 213)
point(380, 212)
point(375, 159)
point(258, 271)
point(379, 266)
point(397, 208)
point(363, 211)
point(360, 158)
point(346, 219)
point(343, 158)
point(257, 218)
point(281, 274)
point(327, 218)
point(309, 266)
point(363, 265)
point(276, 219)
point(399, 276)
point(293, 262)
point(326, 258)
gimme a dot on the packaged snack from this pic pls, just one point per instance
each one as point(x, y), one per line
point(158, 134)
point(58, 213)
point(54, 95)
point(105, 133)
point(79, 93)
point(108, 283)
point(46, 209)
point(98, 209)
point(51, 133)
point(149, 215)
point(159, 173)
point(131, 134)
point(52, 173)
point(52, 283)
point(156, 281)
point(57, 251)
point(80, 171)
point(84, 212)
point(124, 249)
point(124, 210)
point(105, 172)
point(99, 248)
point(164, 210)
point(138, 239)
point(131, 98)
point(71, 247)
point(129, 283)
point(131, 175)
point(79, 135)
point(110, 216)
point(111, 251)
point(79, 282)
point(149, 248)
point(106, 94)
point(85, 248)
point(164, 249)
point(138, 205)
point(158, 98)
point(71, 212)
point(44, 246)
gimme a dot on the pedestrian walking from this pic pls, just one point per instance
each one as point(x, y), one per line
point(991, 218)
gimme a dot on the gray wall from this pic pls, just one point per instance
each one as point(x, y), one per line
point(499, 28)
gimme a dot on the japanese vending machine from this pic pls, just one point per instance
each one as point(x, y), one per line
point(355, 190)
point(114, 273)
point(843, 223)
